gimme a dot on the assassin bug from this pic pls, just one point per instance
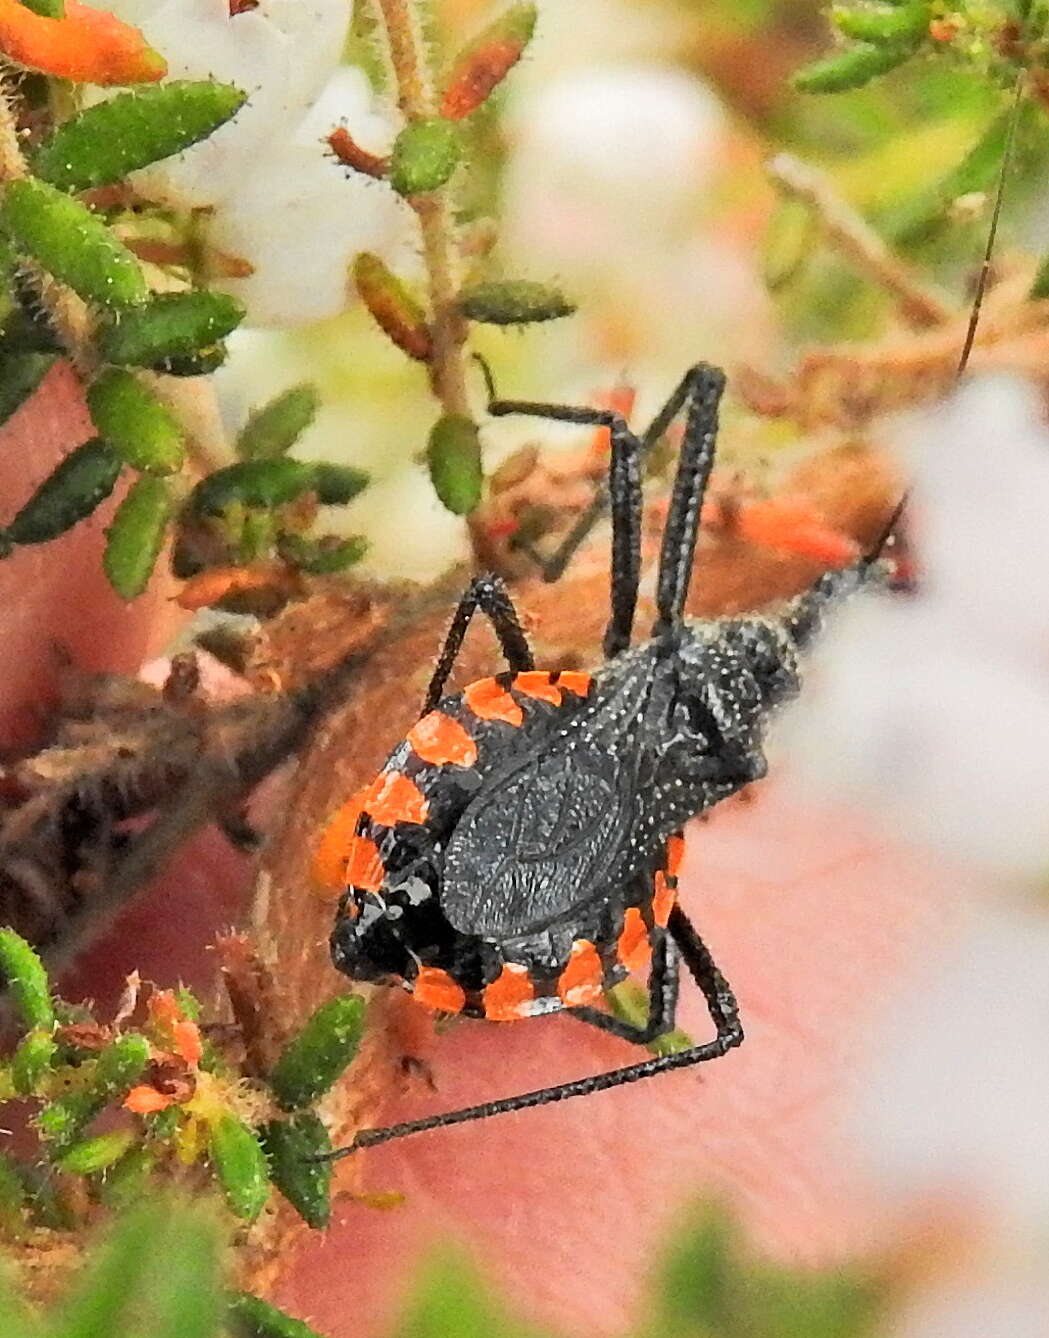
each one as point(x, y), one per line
point(518, 852)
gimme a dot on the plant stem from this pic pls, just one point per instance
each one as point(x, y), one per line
point(67, 313)
point(856, 239)
point(399, 19)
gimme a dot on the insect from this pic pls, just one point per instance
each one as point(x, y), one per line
point(518, 852)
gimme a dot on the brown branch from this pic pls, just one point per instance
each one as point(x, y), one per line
point(853, 236)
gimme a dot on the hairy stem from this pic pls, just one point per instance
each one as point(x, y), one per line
point(415, 97)
point(68, 314)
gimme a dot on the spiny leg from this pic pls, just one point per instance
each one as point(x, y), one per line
point(721, 1005)
point(664, 978)
point(701, 389)
point(490, 595)
point(624, 489)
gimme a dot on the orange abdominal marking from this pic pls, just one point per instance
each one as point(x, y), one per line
point(536, 683)
point(574, 681)
point(507, 998)
point(582, 980)
point(663, 900)
point(435, 989)
point(633, 948)
point(442, 741)
point(675, 854)
point(364, 865)
point(329, 860)
point(394, 798)
point(489, 700)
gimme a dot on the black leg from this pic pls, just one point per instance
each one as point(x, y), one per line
point(488, 594)
point(723, 1011)
point(624, 488)
point(701, 389)
point(663, 981)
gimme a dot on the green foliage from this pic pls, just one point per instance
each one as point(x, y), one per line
point(91, 1155)
point(448, 1299)
point(513, 302)
point(136, 423)
point(273, 482)
point(83, 480)
point(424, 156)
point(25, 977)
point(251, 1317)
point(136, 536)
point(32, 1061)
point(117, 1067)
point(324, 555)
point(902, 25)
point(71, 243)
point(849, 69)
point(107, 141)
point(453, 454)
point(168, 327)
point(240, 1165)
point(20, 375)
point(306, 1184)
point(314, 1059)
point(275, 427)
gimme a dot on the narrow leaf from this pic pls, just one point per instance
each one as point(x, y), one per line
point(394, 309)
point(276, 427)
point(71, 243)
point(26, 978)
point(513, 302)
point(425, 154)
point(314, 1059)
point(32, 1061)
point(305, 1183)
point(20, 375)
point(136, 536)
point(904, 25)
point(95, 1154)
point(135, 422)
point(240, 1166)
point(454, 456)
point(252, 1317)
point(252, 483)
point(849, 69)
point(335, 485)
point(169, 325)
point(483, 64)
point(320, 556)
point(107, 141)
point(84, 479)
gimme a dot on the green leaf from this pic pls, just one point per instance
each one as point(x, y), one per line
point(169, 326)
point(314, 1059)
point(48, 9)
point(320, 556)
point(276, 427)
point(156, 1274)
point(27, 981)
point(12, 1201)
point(107, 141)
point(903, 25)
point(251, 483)
point(84, 479)
point(71, 243)
point(849, 69)
point(513, 302)
point(335, 485)
point(96, 1154)
point(424, 156)
point(115, 1070)
point(306, 1184)
point(33, 1059)
point(449, 1300)
point(251, 1317)
point(1040, 287)
point(136, 536)
point(20, 375)
point(18, 1320)
point(240, 1166)
point(453, 454)
point(202, 363)
point(698, 1277)
point(134, 421)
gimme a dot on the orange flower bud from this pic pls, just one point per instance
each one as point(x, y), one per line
point(86, 45)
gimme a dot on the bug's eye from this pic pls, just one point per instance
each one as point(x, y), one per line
point(701, 720)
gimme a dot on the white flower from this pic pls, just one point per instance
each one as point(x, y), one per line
point(935, 713)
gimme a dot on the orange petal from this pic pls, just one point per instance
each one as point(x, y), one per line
point(86, 45)
point(188, 1045)
point(146, 1100)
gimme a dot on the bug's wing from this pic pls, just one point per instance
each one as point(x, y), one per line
point(537, 842)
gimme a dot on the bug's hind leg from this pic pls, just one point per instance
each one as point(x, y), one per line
point(663, 980)
point(490, 595)
point(624, 491)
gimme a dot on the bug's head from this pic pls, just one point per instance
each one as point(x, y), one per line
point(365, 944)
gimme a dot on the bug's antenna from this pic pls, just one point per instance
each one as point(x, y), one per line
point(992, 232)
